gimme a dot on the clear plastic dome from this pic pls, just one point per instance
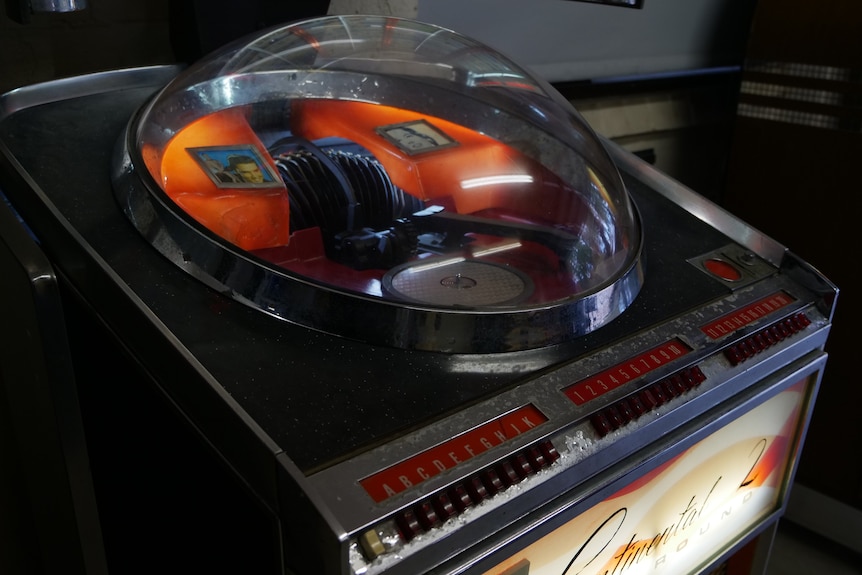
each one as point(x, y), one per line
point(392, 162)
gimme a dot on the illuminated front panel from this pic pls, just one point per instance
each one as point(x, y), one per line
point(681, 515)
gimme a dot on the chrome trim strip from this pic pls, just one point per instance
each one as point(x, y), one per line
point(697, 205)
point(86, 85)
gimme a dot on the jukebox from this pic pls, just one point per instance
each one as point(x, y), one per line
point(411, 310)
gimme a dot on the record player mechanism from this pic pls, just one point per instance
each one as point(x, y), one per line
point(376, 164)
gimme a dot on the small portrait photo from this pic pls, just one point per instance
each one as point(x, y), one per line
point(416, 137)
point(236, 166)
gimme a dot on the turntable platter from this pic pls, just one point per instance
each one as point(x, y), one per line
point(458, 283)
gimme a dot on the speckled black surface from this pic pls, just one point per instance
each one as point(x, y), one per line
point(318, 397)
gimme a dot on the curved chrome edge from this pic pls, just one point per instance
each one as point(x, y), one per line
point(85, 85)
point(810, 277)
point(697, 205)
point(275, 292)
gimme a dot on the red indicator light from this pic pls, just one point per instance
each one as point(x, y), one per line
point(536, 459)
point(670, 390)
point(637, 405)
point(408, 525)
point(492, 482)
point(626, 411)
point(549, 451)
point(427, 516)
point(508, 475)
point(439, 508)
point(650, 401)
point(601, 424)
point(723, 270)
point(444, 506)
point(477, 490)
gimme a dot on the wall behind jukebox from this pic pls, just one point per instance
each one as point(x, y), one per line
point(109, 34)
point(661, 81)
point(794, 174)
point(114, 34)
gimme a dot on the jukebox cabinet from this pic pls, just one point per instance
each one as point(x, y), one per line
point(412, 310)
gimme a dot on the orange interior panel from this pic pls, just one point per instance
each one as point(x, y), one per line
point(252, 218)
point(256, 218)
point(433, 174)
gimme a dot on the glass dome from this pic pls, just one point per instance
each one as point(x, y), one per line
point(355, 166)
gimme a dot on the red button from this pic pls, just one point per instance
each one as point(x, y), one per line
point(549, 451)
point(723, 270)
point(444, 506)
point(601, 424)
point(537, 460)
point(426, 515)
point(522, 466)
point(460, 498)
point(408, 525)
